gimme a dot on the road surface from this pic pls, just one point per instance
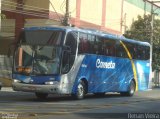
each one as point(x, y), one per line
point(21, 105)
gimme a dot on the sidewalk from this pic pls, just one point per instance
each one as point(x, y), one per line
point(7, 89)
point(6, 82)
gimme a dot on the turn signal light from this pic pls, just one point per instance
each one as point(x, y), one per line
point(25, 70)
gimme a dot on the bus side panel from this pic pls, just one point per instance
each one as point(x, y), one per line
point(68, 80)
point(143, 70)
point(105, 74)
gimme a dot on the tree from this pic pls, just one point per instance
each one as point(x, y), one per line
point(141, 30)
point(2, 16)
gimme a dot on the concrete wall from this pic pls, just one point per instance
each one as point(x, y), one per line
point(36, 5)
point(8, 27)
point(91, 11)
point(8, 4)
point(40, 22)
point(113, 16)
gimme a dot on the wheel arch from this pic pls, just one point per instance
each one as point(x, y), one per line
point(77, 82)
point(86, 84)
point(134, 83)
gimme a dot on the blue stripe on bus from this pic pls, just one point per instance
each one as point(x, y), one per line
point(36, 79)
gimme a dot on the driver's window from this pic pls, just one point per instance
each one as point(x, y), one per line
point(71, 43)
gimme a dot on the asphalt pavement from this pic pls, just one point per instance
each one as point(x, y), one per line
point(21, 105)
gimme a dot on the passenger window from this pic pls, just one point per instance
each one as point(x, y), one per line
point(83, 43)
point(120, 51)
point(108, 47)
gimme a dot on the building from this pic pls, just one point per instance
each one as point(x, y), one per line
point(113, 16)
point(0, 14)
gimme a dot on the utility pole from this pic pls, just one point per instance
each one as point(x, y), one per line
point(152, 37)
point(67, 14)
point(19, 23)
point(0, 15)
point(144, 7)
point(151, 47)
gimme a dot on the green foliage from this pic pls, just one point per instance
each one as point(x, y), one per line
point(141, 30)
point(2, 16)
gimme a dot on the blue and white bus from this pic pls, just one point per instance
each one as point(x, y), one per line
point(74, 61)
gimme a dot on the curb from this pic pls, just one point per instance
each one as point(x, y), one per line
point(7, 89)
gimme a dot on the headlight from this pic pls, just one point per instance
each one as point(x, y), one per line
point(16, 81)
point(51, 82)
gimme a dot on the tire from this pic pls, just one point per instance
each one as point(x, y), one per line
point(41, 95)
point(131, 90)
point(80, 91)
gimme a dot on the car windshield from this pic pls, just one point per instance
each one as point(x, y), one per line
point(37, 59)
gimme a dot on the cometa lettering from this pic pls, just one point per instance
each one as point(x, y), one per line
point(105, 65)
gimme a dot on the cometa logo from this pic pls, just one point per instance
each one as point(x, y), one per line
point(106, 65)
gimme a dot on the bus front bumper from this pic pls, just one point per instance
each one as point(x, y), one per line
point(35, 88)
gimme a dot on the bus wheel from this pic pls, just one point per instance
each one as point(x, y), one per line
point(41, 95)
point(80, 90)
point(131, 90)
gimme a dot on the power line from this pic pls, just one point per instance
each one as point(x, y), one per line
point(62, 6)
point(26, 8)
point(30, 8)
point(26, 13)
point(55, 11)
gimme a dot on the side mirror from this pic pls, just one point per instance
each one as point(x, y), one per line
point(67, 49)
point(66, 62)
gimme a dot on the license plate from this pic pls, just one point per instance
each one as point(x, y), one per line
point(30, 88)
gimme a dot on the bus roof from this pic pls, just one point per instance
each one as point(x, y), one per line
point(89, 31)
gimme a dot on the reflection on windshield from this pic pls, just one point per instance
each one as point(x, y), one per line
point(41, 59)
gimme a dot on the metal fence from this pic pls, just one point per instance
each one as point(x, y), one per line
point(5, 66)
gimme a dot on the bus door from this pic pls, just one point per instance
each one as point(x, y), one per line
point(68, 60)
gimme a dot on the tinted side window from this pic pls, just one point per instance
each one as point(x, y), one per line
point(143, 52)
point(92, 40)
point(137, 51)
point(97, 45)
point(120, 50)
point(108, 47)
point(132, 49)
point(83, 43)
point(147, 53)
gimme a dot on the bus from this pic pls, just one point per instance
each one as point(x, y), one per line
point(76, 61)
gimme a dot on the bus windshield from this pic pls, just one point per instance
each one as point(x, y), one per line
point(41, 37)
point(37, 59)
